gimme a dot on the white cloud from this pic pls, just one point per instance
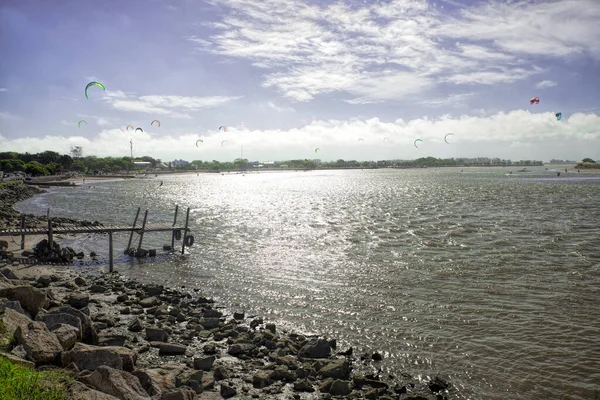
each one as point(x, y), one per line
point(514, 135)
point(3, 89)
point(173, 105)
point(456, 100)
point(313, 49)
point(273, 106)
point(545, 84)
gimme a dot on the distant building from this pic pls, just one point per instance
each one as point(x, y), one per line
point(141, 164)
point(180, 163)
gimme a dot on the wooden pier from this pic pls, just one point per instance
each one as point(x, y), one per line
point(178, 232)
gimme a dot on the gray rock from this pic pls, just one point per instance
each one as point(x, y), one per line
point(169, 349)
point(227, 391)
point(67, 335)
point(204, 363)
point(112, 340)
point(156, 335)
point(338, 369)
point(79, 281)
point(89, 334)
point(179, 394)
point(135, 325)
point(44, 280)
point(97, 289)
point(79, 300)
point(340, 388)
point(31, 299)
point(157, 380)
point(317, 348)
point(261, 379)
point(8, 273)
point(238, 349)
point(120, 384)
point(238, 316)
point(79, 391)
point(91, 357)
point(148, 302)
point(54, 318)
point(210, 323)
point(303, 385)
point(154, 290)
point(271, 327)
point(39, 343)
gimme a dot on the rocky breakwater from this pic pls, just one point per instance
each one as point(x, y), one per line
point(126, 340)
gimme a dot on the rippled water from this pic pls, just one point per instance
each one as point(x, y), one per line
point(490, 278)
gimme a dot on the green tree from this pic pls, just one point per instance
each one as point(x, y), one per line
point(35, 169)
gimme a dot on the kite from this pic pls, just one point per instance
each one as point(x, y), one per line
point(317, 150)
point(199, 140)
point(223, 127)
point(535, 100)
point(93, 84)
point(151, 123)
point(386, 139)
point(558, 116)
point(223, 143)
point(138, 128)
point(79, 123)
point(415, 142)
point(130, 126)
point(360, 140)
point(447, 136)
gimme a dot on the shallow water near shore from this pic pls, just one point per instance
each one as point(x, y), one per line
point(488, 278)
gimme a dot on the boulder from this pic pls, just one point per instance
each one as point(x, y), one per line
point(340, 388)
point(41, 345)
point(89, 335)
point(210, 323)
point(261, 379)
point(11, 320)
point(31, 299)
point(120, 384)
point(156, 335)
point(148, 302)
point(157, 380)
point(66, 335)
point(91, 357)
point(112, 340)
point(8, 273)
point(227, 391)
point(54, 318)
point(338, 369)
point(204, 363)
point(79, 391)
point(179, 394)
point(169, 349)
point(79, 300)
point(317, 348)
point(135, 325)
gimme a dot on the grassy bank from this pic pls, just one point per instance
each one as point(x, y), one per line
point(18, 382)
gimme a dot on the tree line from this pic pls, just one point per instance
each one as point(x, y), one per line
point(53, 163)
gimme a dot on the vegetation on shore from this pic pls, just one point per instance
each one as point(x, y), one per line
point(19, 382)
point(50, 163)
point(587, 163)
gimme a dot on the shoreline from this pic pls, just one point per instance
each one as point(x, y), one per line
point(165, 337)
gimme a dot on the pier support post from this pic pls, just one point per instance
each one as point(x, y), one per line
point(111, 261)
point(49, 229)
point(185, 231)
point(173, 233)
point(132, 230)
point(22, 236)
point(142, 231)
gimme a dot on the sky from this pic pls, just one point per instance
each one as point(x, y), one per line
point(288, 76)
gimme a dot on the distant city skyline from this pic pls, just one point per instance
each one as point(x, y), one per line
point(285, 77)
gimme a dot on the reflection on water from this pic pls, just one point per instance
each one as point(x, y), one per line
point(490, 278)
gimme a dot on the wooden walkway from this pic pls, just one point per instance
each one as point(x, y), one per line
point(177, 232)
point(90, 229)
